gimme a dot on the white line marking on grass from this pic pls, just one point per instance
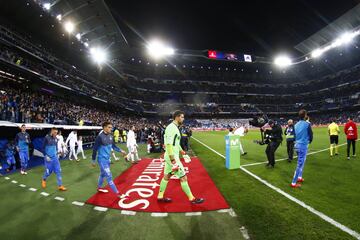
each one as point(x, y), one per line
point(223, 210)
point(190, 214)
point(232, 212)
point(157, 214)
point(126, 212)
point(244, 233)
point(45, 194)
point(22, 185)
point(13, 181)
point(7, 178)
point(100, 209)
point(32, 189)
point(59, 198)
point(283, 159)
point(288, 196)
point(78, 203)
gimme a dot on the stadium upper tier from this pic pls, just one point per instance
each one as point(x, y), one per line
point(199, 87)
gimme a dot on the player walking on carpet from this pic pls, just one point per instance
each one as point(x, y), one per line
point(104, 143)
point(173, 166)
point(51, 159)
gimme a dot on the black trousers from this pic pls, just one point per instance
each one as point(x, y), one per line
point(184, 143)
point(270, 152)
point(290, 149)
point(351, 142)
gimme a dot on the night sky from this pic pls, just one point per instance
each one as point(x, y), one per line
point(257, 27)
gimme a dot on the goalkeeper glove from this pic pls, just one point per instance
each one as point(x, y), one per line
point(175, 166)
point(187, 158)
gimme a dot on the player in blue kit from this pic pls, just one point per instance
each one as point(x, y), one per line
point(10, 158)
point(51, 159)
point(303, 137)
point(102, 148)
point(22, 141)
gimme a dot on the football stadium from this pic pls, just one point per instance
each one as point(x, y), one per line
point(179, 120)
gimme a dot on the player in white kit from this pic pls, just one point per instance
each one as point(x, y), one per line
point(80, 147)
point(132, 146)
point(72, 139)
point(62, 150)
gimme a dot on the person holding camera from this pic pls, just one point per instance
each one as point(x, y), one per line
point(273, 138)
point(290, 139)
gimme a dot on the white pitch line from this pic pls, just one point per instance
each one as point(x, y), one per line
point(190, 214)
point(45, 194)
point(7, 178)
point(59, 198)
point(126, 212)
point(297, 201)
point(244, 232)
point(33, 189)
point(232, 213)
point(22, 185)
point(223, 210)
point(100, 209)
point(156, 214)
point(13, 181)
point(78, 203)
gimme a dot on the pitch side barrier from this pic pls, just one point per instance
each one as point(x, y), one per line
point(37, 132)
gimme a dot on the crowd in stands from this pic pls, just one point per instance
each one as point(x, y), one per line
point(159, 95)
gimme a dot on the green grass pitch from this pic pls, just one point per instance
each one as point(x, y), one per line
point(330, 187)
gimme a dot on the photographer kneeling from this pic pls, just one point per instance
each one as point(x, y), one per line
point(273, 138)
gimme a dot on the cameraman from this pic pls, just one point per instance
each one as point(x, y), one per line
point(273, 139)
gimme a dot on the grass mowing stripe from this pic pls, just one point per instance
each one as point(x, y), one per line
point(288, 196)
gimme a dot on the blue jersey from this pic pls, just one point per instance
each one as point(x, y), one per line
point(303, 133)
point(22, 141)
point(10, 149)
point(102, 147)
point(49, 147)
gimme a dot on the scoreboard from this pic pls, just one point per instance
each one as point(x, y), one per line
point(235, 57)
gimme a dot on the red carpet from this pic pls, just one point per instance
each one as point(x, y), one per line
point(141, 184)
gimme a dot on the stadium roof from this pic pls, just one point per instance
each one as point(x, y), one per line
point(93, 21)
point(262, 28)
point(347, 22)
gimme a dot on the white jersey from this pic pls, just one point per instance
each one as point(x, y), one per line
point(80, 144)
point(72, 139)
point(131, 139)
point(240, 131)
point(60, 142)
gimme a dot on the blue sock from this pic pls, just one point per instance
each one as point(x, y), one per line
point(100, 181)
point(59, 179)
point(113, 187)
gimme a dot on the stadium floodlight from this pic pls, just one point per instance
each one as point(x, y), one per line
point(344, 39)
point(282, 61)
point(78, 36)
point(317, 53)
point(69, 27)
point(59, 17)
point(47, 6)
point(98, 55)
point(157, 49)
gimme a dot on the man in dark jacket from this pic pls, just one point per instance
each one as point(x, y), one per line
point(274, 137)
point(290, 139)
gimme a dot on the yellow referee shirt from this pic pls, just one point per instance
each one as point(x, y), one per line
point(333, 129)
